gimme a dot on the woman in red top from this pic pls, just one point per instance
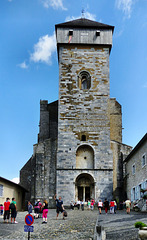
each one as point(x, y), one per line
point(6, 210)
point(112, 206)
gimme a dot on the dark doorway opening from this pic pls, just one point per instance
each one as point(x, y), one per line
point(87, 193)
point(80, 193)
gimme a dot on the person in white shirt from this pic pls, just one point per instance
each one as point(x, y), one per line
point(128, 206)
point(100, 206)
point(78, 204)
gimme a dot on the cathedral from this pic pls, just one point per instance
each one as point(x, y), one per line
point(79, 153)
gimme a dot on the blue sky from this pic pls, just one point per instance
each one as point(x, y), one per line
point(29, 68)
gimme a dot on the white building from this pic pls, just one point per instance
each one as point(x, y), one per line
point(136, 170)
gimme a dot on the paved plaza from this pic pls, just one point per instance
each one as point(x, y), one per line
point(78, 225)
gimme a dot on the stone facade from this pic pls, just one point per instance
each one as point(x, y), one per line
point(39, 174)
point(120, 152)
point(136, 170)
point(79, 152)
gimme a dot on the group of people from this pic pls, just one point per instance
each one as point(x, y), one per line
point(39, 208)
point(10, 209)
point(42, 208)
point(113, 206)
point(106, 205)
point(80, 204)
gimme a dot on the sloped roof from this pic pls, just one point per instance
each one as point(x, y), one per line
point(136, 147)
point(84, 23)
point(12, 183)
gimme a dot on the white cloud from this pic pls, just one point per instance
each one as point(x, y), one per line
point(85, 15)
point(118, 33)
point(56, 4)
point(44, 49)
point(15, 180)
point(145, 85)
point(90, 16)
point(23, 65)
point(125, 6)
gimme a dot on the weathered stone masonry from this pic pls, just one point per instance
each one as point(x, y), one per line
point(79, 151)
point(84, 112)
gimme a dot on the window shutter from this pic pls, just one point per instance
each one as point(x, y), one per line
point(132, 195)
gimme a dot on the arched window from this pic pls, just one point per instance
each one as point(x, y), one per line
point(85, 157)
point(84, 80)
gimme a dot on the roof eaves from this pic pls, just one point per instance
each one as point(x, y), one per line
point(136, 148)
point(13, 183)
point(84, 23)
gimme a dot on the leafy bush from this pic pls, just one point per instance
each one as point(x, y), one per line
point(140, 225)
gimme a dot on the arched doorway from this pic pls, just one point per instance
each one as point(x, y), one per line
point(84, 187)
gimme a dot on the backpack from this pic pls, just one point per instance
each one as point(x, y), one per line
point(12, 206)
point(65, 213)
point(36, 204)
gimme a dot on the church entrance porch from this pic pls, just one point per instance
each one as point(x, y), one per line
point(84, 187)
point(84, 193)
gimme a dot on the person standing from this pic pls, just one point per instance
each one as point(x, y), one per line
point(88, 204)
point(6, 210)
point(112, 206)
point(115, 205)
point(36, 209)
point(92, 204)
point(128, 206)
point(1, 209)
point(30, 207)
point(106, 205)
point(100, 205)
point(59, 206)
point(13, 210)
point(45, 211)
point(82, 205)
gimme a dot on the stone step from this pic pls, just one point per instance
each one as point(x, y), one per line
point(126, 234)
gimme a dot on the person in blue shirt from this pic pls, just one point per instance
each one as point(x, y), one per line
point(59, 206)
point(30, 207)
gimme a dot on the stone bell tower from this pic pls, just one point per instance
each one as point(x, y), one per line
point(84, 167)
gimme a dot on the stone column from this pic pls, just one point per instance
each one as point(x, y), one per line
point(84, 194)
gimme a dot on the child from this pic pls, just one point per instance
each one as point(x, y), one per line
point(1, 209)
point(30, 207)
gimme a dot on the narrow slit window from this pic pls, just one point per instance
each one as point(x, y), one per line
point(83, 138)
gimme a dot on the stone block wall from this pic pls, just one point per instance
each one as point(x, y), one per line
point(115, 114)
point(84, 112)
point(102, 185)
point(27, 179)
point(120, 151)
point(39, 173)
point(48, 126)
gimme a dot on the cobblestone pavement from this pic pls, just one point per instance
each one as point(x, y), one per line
point(78, 225)
point(120, 226)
